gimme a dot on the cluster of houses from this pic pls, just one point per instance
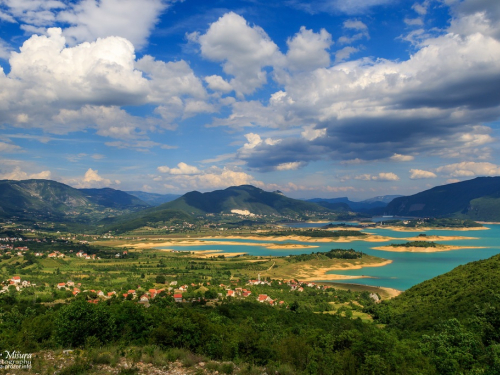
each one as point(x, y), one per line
point(264, 298)
point(17, 282)
point(11, 250)
point(238, 292)
point(132, 293)
point(86, 256)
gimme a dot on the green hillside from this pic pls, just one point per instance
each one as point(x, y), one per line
point(245, 197)
point(466, 293)
point(146, 218)
point(477, 199)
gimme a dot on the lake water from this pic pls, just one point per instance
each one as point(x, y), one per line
point(406, 270)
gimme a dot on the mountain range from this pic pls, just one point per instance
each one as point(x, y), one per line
point(53, 201)
point(35, 200)
point(477, 199)
point(153, 199)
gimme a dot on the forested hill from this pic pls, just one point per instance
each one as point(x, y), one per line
point(477, 199)
point(54, 201)
point(468, 293)
point(243, 198)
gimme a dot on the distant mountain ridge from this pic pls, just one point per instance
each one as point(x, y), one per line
point(153, 199)
point(364, 206)
point(51, 200)
point(477, 199)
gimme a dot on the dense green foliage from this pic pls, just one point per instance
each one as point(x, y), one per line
point(467, 293)
point(332, 254)
point(475, 199)
point(415, 244)
point(308, 342)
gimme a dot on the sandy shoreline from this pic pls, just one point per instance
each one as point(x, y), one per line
point(212, 253)
point(440, 238)
point(423, 229)
point(368, 238)
point(201, 242)
point(320, 274)
point(415, 249)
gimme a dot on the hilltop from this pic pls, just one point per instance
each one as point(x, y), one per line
point(477, 199)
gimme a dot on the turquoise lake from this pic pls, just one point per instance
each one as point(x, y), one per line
point(406, 269)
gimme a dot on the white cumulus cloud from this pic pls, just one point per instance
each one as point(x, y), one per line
point(417, 174)
point(182, 169)
point(469, 169)
point(91, 179)
point(18, 174)
point(307, 50)
point(242, 49)
point(399, 157)
point(130, 19)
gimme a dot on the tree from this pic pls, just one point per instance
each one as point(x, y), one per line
point(160, 279)
point(294, 306)
point(79, 320)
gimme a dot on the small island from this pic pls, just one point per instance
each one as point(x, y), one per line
point(423, 224)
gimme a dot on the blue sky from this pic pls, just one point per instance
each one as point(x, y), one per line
point(328, 98)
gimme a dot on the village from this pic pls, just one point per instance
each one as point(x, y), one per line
point(217, 293)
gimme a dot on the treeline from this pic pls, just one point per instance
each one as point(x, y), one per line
point(332, 254)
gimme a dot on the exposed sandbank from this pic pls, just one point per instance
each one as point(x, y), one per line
point(311, 273)
point(201, 242)
point(211, 253)
point(440, 238)
point(424, 229)
point(417, 249)
point(368, 238)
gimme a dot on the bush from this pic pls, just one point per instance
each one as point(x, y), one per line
point(79, 367)
point(81, 320)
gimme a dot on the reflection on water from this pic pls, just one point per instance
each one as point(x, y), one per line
point(406, 270)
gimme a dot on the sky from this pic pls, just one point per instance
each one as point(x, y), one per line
point(325, 98)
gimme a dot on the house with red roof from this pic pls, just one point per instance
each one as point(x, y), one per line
point(263, 298)
point(178, 297)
